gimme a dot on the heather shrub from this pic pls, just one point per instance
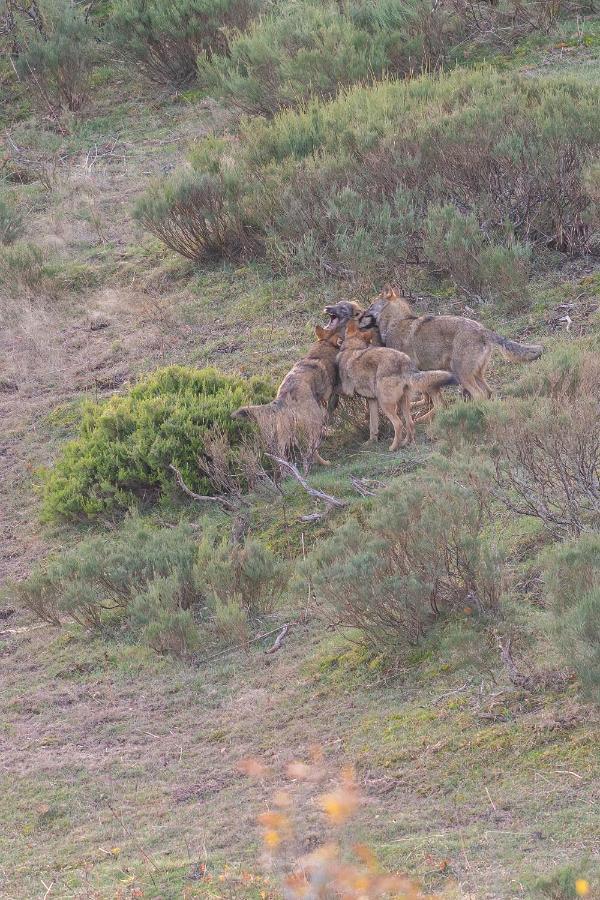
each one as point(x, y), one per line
point(571, 574)
point(246, 573)
point(11, 222)
point(202, 215)
point(58, 57)
point(164, 39)
point(140, 577)
point(303, 49)
point(456, 245)
point(126, 444)
point(419, 553)
point(567, 370)
point(21, 266)
point(466, 173)
point(545, 453)
point(548, 463)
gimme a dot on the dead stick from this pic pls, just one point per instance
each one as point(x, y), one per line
point(279, 639)
point(319, 495)
point(253, 640)
point(219, 498)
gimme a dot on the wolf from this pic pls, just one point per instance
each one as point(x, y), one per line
point(459, 345)
point(387, 378)
point(297, 418)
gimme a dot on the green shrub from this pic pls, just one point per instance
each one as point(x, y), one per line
point(58, 59)
point(21, 266)
point(463, 172)
point(456, 245)
point(141, 578)
point(302, 49)
point(201, 216)
point(247, 573)
point(546, 453)
point(158, 617)
point(164, 39)
point(559, 884)
point(566, 371)
point(421, 551)
point(571, 574)
point(11, 222)
point(126, 444)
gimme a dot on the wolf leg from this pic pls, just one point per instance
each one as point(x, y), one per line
point(409, 424)
point(373, 420)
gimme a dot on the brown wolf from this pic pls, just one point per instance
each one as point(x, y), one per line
point(298, 415)
point(462, 346)
point(341, 313)
point(386, 377)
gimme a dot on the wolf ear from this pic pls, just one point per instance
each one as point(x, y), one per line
point(320, 333)
point(367, 336)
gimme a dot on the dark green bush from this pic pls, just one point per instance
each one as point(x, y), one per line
point(142, 578)
point(164, 39)
point(422, 551)
point(465, 173)
point(57, 59)
point(126, 444)
point(572, 579)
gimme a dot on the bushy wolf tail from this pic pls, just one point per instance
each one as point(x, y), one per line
point(426, 382)
point(514, 351)
point(283, 426)
point(268, 417)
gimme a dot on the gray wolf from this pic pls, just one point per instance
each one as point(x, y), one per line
point(387, 378)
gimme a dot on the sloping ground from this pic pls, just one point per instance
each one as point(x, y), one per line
point(122, 770)
point(119, 770)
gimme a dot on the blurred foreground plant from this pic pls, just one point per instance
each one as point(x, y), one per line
point(332, 869)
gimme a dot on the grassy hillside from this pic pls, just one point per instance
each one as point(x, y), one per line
point(188, 185)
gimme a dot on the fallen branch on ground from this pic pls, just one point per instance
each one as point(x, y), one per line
point(279, 639)
point(363, 485)
point(328, 499)
point(224, 501)
point(253, 640)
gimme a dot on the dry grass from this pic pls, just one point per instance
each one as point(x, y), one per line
point(119, 769)
point(105, 747)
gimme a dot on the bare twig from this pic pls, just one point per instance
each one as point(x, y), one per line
point(279, 639)
point(516, 677)
point(225, 502)
point(253, 640)
point(328, 499)
point(363, 485)
point(494, 807)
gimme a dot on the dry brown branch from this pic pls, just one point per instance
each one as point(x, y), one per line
point(225, 502)
point(279, 639)
point(364, 486)
point(253, 640)
point(516, 677)
point(328, 499)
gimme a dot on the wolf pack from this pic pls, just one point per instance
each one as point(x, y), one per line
point(398, 361)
